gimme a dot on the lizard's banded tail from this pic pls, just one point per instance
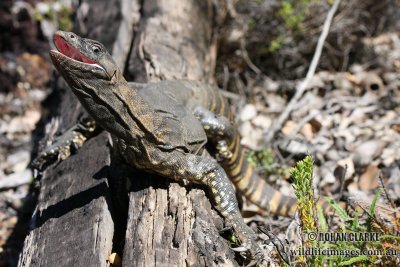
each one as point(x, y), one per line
point(256, 189)
point(240, 172)
point(253, 187)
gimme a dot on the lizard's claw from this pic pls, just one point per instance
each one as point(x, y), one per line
point(58, 151)
point(51, 154)
point(248, 246)
point(251, 252)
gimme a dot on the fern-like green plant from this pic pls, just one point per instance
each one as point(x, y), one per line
point(302, 176)
point(343, 252)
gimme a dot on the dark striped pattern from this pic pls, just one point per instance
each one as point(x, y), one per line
point(241, 173)
point(253, 187)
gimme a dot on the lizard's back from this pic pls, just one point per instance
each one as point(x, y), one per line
point(179, 125)
point(188, 94)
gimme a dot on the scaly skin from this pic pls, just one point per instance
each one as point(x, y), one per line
point(162, 127)
point(152, 129)
point(215, 114)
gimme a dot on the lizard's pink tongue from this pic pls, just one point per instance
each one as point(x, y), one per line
point(68, 50)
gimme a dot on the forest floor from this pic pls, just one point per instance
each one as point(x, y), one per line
point(347, 119)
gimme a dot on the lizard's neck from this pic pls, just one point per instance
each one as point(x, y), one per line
point(114, 104)
point(138, 109)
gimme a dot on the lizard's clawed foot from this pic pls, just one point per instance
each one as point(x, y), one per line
point(254, 256)
point(64, 145)
point(248, 247)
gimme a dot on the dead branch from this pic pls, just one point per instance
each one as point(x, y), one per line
point(310, 73)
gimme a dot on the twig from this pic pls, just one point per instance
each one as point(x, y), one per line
point(310, 73)
point(382, 185)
point(230, 95)
point(246, 58)
point(342, 179)
point(278, 243)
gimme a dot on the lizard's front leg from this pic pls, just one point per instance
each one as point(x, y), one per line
point(61, 148)
point(218, 129)
point(206, 170)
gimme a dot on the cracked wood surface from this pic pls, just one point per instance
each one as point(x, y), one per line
point(168, 224)
point(72, 224)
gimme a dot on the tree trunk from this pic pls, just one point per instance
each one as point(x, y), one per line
point(76, 222)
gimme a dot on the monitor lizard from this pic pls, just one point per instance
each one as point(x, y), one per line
point(163, 128)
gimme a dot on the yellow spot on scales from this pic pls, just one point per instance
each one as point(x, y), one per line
point(211, 175)
point(224, 204)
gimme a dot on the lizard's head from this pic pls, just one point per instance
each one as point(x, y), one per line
point(79, 59)
point(94, 78)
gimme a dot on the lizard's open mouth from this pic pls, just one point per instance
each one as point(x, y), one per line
point(69, 51)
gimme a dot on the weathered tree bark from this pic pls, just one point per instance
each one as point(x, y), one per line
point(72, 224)
point(168, 224)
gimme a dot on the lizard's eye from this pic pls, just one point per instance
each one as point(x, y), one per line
point(96, 49)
